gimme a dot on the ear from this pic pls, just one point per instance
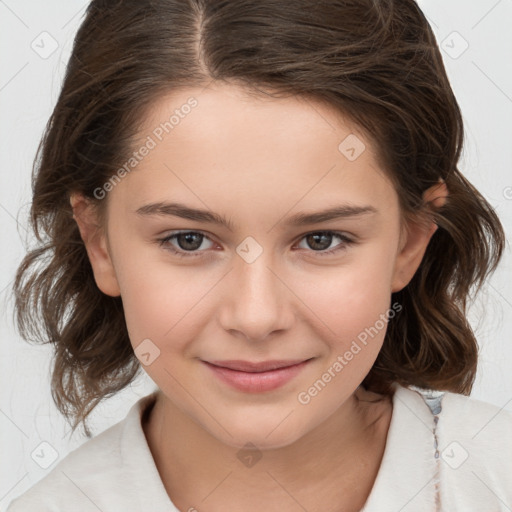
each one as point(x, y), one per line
point(96, 244)
point(415, 238)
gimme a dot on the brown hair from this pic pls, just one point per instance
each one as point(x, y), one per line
point(375, 61)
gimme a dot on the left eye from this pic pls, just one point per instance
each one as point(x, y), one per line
point(189, 242)
point(324, 240)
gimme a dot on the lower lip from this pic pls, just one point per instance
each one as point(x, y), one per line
point(256, 382)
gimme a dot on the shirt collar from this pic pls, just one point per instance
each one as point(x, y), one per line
point(405, 481)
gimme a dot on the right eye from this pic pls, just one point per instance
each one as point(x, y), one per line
point(188, 243)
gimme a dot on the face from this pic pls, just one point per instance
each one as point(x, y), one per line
point(273, 283)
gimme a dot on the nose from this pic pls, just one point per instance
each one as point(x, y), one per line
point(256, 301)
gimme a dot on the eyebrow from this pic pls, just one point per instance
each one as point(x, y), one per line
point(297, 220)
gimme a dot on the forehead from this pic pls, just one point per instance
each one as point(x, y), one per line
point(220, 110)
point(220, 143)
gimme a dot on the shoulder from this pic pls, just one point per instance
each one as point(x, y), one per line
point(477, 433)
point(91, 463)
point(444, 451)
point(479, 425)
point(473, 442)
point(104, 473)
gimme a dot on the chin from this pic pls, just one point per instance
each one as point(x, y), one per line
point(257, 441)
point(264, 435)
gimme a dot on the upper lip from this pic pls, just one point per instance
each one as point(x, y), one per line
point(263, 366)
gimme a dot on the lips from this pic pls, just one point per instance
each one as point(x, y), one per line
point(256, 377)
point(263, 366)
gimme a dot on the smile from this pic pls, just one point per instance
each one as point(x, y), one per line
point(256, 377)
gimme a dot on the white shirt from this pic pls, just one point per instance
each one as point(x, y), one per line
point(471, 469)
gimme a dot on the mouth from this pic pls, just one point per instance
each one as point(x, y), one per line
point(263, 366)
point(256, 377)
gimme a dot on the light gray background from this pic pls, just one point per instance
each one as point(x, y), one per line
point(481, 76)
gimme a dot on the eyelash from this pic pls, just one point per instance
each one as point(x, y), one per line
point(164, 242)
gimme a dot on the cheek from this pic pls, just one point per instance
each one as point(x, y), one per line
point(156, 293)
point(351, 299)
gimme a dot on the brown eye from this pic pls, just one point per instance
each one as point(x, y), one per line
point(189, 241)
point(186, 243)
point(319, 241)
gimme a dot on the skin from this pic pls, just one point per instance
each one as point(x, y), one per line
point(257, 161)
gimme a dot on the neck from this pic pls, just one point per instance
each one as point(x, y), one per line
point(330, 460)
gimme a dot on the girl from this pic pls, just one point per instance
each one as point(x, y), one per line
point(259, 205)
